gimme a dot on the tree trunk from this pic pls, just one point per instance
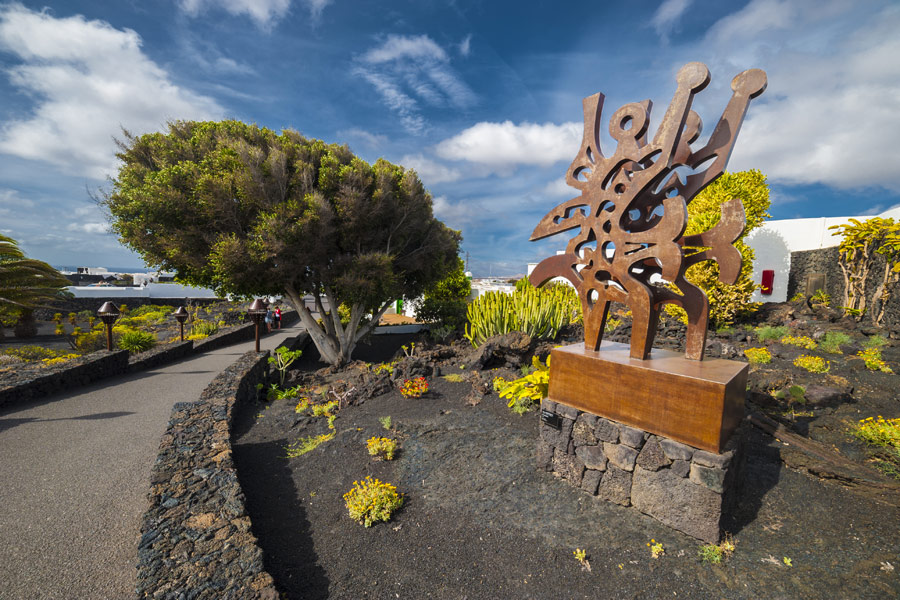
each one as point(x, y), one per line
point(335, 346)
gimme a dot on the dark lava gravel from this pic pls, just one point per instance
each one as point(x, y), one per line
point(480, 522)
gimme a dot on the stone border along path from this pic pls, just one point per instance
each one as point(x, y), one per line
point(74, 471)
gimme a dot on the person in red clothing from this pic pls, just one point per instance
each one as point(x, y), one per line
point(277, 316)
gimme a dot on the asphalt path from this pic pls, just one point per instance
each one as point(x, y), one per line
point(74, 476)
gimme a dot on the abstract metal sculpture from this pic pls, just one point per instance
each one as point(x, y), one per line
point(632, 213)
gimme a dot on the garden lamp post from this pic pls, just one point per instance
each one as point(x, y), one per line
point(257, 312)
point(181, 316)
point(108, 313)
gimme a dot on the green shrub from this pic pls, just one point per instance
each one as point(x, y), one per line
point(136, 341)
point(204, 328)
point(768, 332)
point(444, 304)
point(726, 302)
point(875, 341)
point(832, 342)
point(539, 312)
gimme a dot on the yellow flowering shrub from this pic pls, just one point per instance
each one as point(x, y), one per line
point(59, 359)
point(758, 356)
point(371, 501)
point(813, 364)
point(382, 447)
point(803, 341)
point(873, 360)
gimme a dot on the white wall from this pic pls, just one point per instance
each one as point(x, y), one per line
point(774, 241)
point(151, 290)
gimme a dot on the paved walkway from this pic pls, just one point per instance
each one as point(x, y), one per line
point(74, 475)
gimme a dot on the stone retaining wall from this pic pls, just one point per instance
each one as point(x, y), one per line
point(826, 262)
point(683, 487)
point(29, 382)
point(196, 538)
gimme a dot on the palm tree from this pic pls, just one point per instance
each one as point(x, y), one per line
point(24, 282)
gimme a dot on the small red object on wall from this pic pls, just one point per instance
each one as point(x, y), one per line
point(768, 278)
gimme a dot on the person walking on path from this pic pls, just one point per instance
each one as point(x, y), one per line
point(277, 316)
point(270, 318)
point(75, 475)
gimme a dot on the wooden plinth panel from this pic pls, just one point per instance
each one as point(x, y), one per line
point(699, 403)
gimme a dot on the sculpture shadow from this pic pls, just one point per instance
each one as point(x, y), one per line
point(279, 521)
point(760, 472)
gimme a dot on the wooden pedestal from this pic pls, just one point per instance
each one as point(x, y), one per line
point(699, 403)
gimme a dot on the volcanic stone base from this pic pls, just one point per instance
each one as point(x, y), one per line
point(682, 487)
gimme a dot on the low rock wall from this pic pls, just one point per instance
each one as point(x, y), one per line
point(196, 538)
point(682, 487)
point(160, 355)
point(240, 333)
point(29, 382)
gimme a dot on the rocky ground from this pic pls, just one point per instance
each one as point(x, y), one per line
point(480, 521)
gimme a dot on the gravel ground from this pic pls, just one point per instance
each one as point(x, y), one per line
point(75, 471)
point(479, 521)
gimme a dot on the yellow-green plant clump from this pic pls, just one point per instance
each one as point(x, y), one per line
point(716, 553)
point(802, 341)
point(884, 436)
point(382, 447)
point(525, 392)
point(873, 360)
point(813, 364)
point(307, 444)
point(758, 356)
point(371, 501)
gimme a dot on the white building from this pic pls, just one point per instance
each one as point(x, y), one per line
point(774, 241)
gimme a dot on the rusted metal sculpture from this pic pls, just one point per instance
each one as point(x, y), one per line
point(632, 213)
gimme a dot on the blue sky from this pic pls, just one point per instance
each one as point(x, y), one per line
point(482, 98)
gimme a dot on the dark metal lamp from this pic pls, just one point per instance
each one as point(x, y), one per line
point(181, 316)
point(108, 313)
point(257, 312)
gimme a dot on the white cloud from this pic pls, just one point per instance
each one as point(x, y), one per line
point(89, 227)
point(667, 15)
point(410, 73)
point(263, 12)
point(831, 113)
point(465, 46)
point(507, 144)
point(372, 141)
point(430, 171)
point(455, 214)
point(88, 80)
point(316, 7)
point(12, 199)
point(558, 188)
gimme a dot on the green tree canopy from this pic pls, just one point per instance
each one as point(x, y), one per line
point(24, 282)
point(247, 211)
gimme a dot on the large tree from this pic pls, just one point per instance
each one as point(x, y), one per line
point(247, 211)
